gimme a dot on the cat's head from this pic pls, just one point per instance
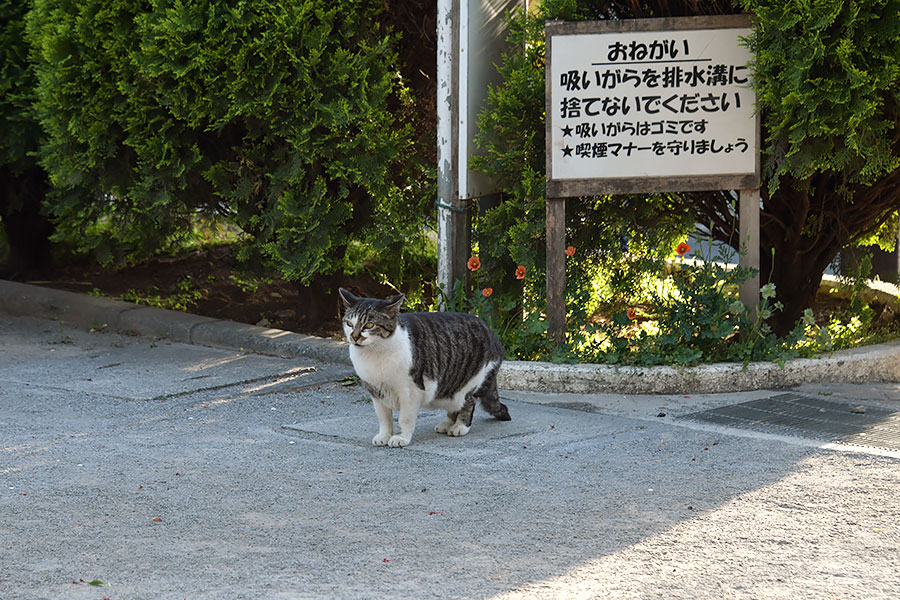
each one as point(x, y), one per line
point(367, 321)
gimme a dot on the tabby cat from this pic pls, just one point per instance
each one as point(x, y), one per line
point(410, 361)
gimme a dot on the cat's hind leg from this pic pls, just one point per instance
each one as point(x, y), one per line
point(490, 398)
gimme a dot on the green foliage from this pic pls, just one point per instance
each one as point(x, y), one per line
point(288, 118)
point(21, 131)
point(689, 314)
point(827, 75)
point(183, 295)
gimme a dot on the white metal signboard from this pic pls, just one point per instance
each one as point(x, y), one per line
point(650, 105)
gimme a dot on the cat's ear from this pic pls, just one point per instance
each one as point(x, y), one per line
point(348, 298)
point(394, 303)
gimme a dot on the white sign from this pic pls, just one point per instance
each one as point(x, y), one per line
point(643, 104)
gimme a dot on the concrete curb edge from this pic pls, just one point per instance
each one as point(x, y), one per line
point(875, 363)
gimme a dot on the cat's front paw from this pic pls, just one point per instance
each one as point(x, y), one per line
point(444, 426)
point(458, 430)
point(398, 441)
point(381, 439)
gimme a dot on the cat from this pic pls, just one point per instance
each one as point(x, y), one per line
point(409, 361)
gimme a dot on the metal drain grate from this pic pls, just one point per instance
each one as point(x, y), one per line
point(814, 418)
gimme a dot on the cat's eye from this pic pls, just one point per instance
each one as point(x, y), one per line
point(369, 325)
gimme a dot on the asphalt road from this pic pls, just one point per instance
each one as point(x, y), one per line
point(162, 470)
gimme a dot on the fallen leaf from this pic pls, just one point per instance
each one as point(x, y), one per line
point(157, 519)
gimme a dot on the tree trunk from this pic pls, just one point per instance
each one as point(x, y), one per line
point(802, 227)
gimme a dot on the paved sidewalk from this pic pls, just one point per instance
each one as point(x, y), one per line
point(169, 470)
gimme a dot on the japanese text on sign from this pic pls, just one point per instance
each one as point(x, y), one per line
point(651, 104)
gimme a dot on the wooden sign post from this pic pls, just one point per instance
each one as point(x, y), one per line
point(644, 106)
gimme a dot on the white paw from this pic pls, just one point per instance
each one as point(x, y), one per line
point(398, 441)
point(381, 439)
point(458, 430)
point(444, 426)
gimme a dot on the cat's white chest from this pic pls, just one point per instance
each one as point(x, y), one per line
point(385, 364)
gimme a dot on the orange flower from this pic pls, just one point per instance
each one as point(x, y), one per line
point(474, 264)
point(486, 292)
point(631, 314)
point(520, 272)
point(570, 250)
point(682, 249)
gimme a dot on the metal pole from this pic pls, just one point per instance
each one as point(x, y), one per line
point(452, 213)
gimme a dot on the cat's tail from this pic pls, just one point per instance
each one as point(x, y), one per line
point(490, 398)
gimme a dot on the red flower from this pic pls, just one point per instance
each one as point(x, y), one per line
point(520, 272)
point(631, 314)
point(486, 292)
point(570, 250)
point(682, 249)
point(474, 264)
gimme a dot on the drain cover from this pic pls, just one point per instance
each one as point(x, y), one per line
point(804, 416)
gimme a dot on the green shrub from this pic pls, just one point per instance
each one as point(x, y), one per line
point(692, 314)
point(827, 75)
point(24, 241)
point(288, 118)
point(511, 135)
point(21, 131)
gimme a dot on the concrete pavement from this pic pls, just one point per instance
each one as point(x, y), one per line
point(160, 469)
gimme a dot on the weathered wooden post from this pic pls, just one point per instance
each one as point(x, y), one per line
point(556, 269)
point(748, 207)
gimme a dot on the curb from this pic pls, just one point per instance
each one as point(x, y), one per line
point(869, 364)
point(94, 313)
